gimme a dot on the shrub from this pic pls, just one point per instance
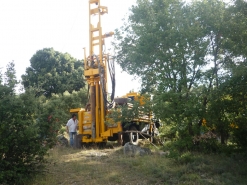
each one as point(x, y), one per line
point(21, 145)
point(206, 143)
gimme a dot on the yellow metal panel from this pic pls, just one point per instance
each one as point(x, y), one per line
point(87, 132)
point(117, 129)
point(103, 10)
point(93, 1)
point(85, 140)
point(75, 110)
point(91, 72)
point(95, 44)
point(87, 117)
point(80, 119)
point(97, 109)
point(86, 127)
point(88, 113)
point(94, 11)
point(95, 38)
point(107, 133)
point(94, 29)
point(137, 97)
point(98, 139)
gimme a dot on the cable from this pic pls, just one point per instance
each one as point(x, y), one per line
point(111, 68)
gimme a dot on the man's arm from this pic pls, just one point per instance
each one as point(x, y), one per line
point(67, 127)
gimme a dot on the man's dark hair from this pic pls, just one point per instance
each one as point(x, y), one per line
point(73, 115)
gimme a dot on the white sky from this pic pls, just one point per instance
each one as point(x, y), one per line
point(30, 25)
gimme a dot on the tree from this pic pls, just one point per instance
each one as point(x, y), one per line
point(232, 103)
point(183, 52)
point(236, 29)
point(10, 75)
point(55, 111)
point(53, 72)
point(29, 126)
point(21, 150)
point(164, 43)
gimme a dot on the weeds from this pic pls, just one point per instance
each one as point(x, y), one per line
point(90, 167)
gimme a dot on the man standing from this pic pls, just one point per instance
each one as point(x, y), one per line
point(72, 129)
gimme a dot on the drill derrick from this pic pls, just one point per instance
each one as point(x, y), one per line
point(95, 72)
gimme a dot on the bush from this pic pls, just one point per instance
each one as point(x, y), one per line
point(29, 127)
point(22, 148)
point(206, 143)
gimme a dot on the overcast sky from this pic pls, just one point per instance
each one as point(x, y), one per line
point(30, 25)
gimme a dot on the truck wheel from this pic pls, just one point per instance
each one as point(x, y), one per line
point(134, 136)
point(125, 138)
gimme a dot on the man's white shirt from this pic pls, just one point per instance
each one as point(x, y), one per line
point(72, 125)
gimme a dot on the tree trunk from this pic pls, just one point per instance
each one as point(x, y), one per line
point(190, 129)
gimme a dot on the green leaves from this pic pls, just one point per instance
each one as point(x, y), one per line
point(29, 126)
point(161, 42)
point(185, 53)
point(131, 110)
point(30, 122)
point(19, 136)
point(53, 72)
point(10, 76)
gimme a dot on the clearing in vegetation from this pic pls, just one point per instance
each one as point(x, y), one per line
point(109, 166)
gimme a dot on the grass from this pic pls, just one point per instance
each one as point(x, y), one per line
point(111, 167)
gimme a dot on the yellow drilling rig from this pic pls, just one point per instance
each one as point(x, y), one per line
point(91, 119)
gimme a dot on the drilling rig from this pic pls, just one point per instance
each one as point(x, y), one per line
point(91, 119)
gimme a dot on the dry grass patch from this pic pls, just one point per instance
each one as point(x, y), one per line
point(111, 167)
point(94, 166)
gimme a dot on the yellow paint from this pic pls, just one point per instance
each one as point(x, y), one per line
point(92, 75)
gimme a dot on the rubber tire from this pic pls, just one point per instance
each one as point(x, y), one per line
point(134, 137)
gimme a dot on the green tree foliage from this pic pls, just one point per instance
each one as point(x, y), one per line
point(165, 44)
point(10, 77)
point(139, 108)
point(21, 149)
point(184, 53)
point(55, 111)
point(236, 29)
point(29, 126)
point(53, 72)
point(230, 103)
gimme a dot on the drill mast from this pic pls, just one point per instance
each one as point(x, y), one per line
point(95, 70)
